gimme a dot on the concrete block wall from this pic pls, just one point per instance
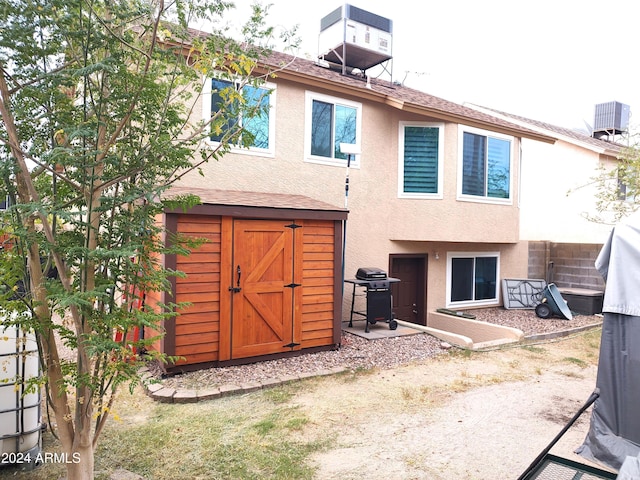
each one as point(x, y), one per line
point(568, 265)
point(539, 253)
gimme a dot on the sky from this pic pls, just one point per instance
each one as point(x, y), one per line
point(548, 60)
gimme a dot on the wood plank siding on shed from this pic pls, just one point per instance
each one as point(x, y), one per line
point(266, 283)
point(318, 278)
point(197, 331)
point(197, 328)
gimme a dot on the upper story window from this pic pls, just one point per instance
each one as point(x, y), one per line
point(486, 166)
point(626, 178)
point(330, 121)
point(420, 160)
point(258, 129)
point(472, 278)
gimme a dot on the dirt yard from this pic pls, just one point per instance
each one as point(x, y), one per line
point(478, 417)
point(459, 415)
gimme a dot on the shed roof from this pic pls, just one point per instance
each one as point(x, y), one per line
point(235, 199)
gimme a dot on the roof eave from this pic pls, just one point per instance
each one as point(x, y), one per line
point(376, 96)
point(472, 122)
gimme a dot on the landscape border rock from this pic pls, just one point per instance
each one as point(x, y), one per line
point(355, 353)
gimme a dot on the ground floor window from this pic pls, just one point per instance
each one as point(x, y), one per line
point(472, 278)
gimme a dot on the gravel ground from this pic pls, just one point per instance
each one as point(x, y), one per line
point(359, 353)
point(530, 324)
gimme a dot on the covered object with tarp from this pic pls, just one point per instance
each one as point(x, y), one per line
point(614, 432)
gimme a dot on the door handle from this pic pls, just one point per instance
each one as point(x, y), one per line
point(237, 288)
point(415, 309)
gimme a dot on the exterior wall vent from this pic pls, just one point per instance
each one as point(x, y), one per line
point(352, 37)
point(611, 118)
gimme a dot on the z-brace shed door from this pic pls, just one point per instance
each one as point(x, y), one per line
point(263, 313)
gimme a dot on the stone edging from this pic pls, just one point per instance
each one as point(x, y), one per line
point(160, 393)
point(562, 333)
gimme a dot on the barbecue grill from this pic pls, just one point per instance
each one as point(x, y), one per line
point(377, 287)
point(371, 273)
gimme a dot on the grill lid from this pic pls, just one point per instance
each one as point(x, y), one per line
point(370, 273)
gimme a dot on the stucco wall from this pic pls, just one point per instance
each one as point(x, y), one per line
point(557, 194)
point(379, 222)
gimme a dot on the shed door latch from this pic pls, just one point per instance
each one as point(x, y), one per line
point(237, 288)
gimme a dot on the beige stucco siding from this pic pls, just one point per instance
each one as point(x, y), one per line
point(379, 223)
point(558, 193)
point(374, 192)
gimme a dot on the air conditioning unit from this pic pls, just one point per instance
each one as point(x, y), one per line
point(355, 38)
point(611, 118)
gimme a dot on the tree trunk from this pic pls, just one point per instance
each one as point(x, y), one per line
point(77, 445)
point(80, 463)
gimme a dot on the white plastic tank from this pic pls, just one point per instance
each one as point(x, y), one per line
point(20, 409)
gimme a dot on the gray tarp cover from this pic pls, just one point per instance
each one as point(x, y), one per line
point(630, 469)
point(614, 432)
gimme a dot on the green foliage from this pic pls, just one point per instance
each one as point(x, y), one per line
point(618, 188)
point(96, 103)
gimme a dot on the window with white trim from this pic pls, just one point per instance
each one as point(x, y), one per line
point(420, 160)
point(330, 121)
point(626, 179)
point(485, 165)
point(258, 129)
point(472, 278)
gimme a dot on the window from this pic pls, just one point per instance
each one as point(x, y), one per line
point(626, 178)
point(329, 122)
point(485, 166)
point(258, 128)
point(420, 160)
point(472, 278)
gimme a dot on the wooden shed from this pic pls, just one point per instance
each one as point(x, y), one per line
point(267, 283)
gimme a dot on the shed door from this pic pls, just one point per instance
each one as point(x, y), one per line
point(262, 306)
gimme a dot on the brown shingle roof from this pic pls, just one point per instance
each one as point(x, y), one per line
point(395, 95)
point(254, 199)
point(609, 147)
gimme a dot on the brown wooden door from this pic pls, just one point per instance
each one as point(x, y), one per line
point(262, 304)
point(410, 293)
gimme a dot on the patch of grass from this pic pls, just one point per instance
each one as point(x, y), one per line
point(460, 385)
point(423, 395)
point(494, 379)
point(257, 436)
point(534, 349)
point(230, 440)
point(363, 371)
point(352, 375)
point(296, 423)
point(281, 394)
point(265, 426)
point(281, 419)
point(576, 361)
point(406, 393)
point(463, 353)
